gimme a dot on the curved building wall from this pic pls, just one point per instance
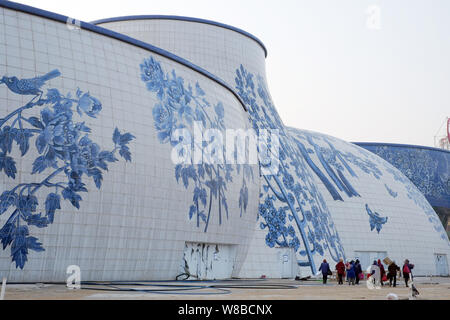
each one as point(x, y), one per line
point(219, 50)
point(136, 219)
point(294, 222)
point(283, 235)
point(280, 230)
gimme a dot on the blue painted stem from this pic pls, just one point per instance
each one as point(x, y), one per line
point(12, 114)
point(300, 224)
point(332, 190)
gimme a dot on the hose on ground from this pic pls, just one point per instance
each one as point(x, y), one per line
point(182, 287)
point(164, 286)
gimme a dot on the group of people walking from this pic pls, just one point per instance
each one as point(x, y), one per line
point(351, 270)
point(394, 269)
point(353, 273)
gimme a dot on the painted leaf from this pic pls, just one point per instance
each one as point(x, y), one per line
point(6, 139)
point(126, 138)
point(199, 90)
point(125, 153)
point(7, 199)
point(22, 139)
point(39, 165)
point(6, 234)
point(33, 244)
point(8, 165)
point(96, 174)
point(35, 122)
point(37, 220)
point(116, 136)
point(72, 196)
point(192, 210)
point(19, 249)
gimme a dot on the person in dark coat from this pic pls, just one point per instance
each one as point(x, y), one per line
point(392, 273)
point(406, 270)
point(382, 271)
point(325, 268)
point(358, 270)
point(351, 273)
point(340, 268)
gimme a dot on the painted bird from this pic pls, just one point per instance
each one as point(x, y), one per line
point(29, 86)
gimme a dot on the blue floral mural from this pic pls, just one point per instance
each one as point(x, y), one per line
point(428, 169)
point(419, 199)
point(290, 205)
point(400, 170)
point(179, 105)
point(335, 163)
point(281, 207)
point(66, 153)
point(375, 220)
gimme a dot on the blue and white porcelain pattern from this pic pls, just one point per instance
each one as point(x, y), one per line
point(419, 199)
point(67, 154)
point(179, 106)
point(387, 200)
point(427, 168)
point(376, 221)
point(290, 206)
point(136, 226)
point(390, 191)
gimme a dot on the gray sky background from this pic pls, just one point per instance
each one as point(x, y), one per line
point(327, 70)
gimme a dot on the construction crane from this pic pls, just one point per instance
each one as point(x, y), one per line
point(443, 140)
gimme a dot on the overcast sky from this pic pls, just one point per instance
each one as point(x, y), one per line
point(332, 66)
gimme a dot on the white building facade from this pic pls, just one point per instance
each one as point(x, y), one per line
point(91, 116)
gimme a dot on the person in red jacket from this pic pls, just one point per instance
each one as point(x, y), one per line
point(406, 270)
point(382, 271)
point(340, 268)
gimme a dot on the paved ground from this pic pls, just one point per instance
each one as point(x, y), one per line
point(435, 288)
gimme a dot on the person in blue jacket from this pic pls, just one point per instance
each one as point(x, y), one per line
point(351, 274)
point(325, 268)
